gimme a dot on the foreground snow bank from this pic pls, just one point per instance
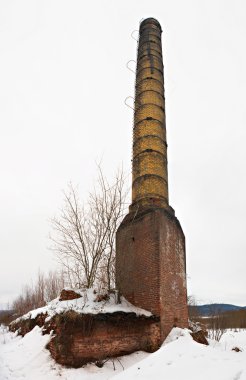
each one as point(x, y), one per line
point(24, 358)
point(27, 359)
point(179, 358)
point(182, 358)
point(86, 304)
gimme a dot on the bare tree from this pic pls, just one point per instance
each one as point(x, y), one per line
point(216, 323)
point(39, 291)
point(84, 235)
point(34, 295)
point(54, 283)
point(192, 308)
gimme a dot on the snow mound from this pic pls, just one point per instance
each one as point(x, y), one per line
point(86, 304)
point(182, 358)
point(175, 334)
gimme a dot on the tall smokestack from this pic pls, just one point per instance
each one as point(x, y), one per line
point(149, 167)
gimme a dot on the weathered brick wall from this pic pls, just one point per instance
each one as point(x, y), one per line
point(76, 344)
point(173, 291)
point(137, 261)
point(150, 266)
point(26, 325)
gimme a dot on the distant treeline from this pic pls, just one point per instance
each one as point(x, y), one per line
point(34, 295)
point(235, 319)
point(6, 316)
point(218, 317)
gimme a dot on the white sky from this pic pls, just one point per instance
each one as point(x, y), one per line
point(63, 82)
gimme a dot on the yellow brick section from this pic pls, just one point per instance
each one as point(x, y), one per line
point(149, 163)
point(144, 143)
point(156, 53)
point(149, 187)
point(149, 111)
point(145, 62)
point(149, 127)
point(149, 97)
point(153, 187)
point(151, 73)
point(149, 84)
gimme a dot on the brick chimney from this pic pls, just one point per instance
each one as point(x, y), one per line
point(150, 244)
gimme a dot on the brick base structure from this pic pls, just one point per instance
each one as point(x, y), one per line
point(90, 338)
point(150, 265)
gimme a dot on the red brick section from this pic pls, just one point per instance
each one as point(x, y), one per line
point(26, 325)
point(137, 261)
point(173, 293)
point(67, 295)
point(94, 338)
point(150, 266)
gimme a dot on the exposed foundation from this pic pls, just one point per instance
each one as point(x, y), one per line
point(93, 338)
point(81, 338)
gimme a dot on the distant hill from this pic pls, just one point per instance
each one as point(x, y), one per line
point(6, 316)
point(215, 308)
point(4, 312)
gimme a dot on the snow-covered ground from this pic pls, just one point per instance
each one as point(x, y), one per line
point(179, 358)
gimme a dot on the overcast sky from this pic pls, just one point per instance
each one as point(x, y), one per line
point(63, 81)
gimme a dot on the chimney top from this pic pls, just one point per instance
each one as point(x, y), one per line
point(150, 21)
